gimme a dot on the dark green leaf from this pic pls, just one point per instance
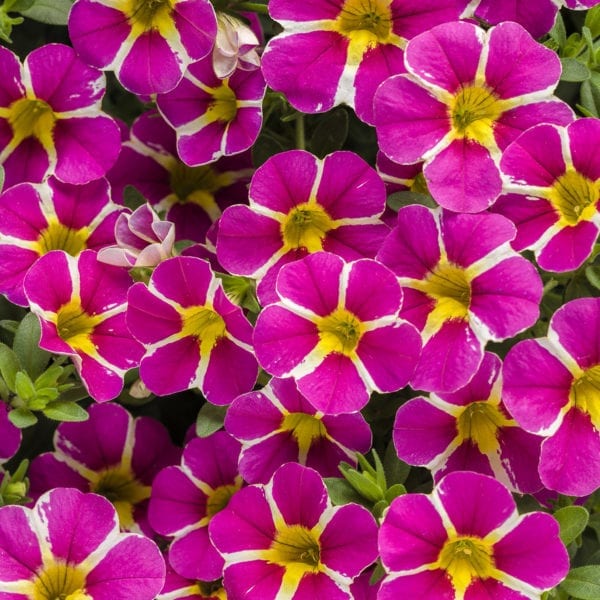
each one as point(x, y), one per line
point(572, 521)
point(52, 12)
point(583, 582)
point(265, 147)
point(66, 411)
point(396, 471)
point(210, 419)
point(1, 177)
point(26, 346)
point(22, 417)
point(330, 133)
point(574, 70)
point(133, 198)
point(398, 200)
point(590, 97)
point(9, 365)
point(593, 276)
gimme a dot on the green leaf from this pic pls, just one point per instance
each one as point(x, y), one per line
point(341, 492)
point(17, 5)
point(559, 32)
point(210, 419)
point(26, 346)
point(572, 520)
point(330, 133)
point(9, 366)
point(592, 20)
point(24, 387)
point(132, 197)
point(593, 276)
point(574, 70)
point(394, 491)
point(52, 12)
point(22, 417)
point(265, 147)
point(396, 471)
point(361, 483)
point(66, 411)
point(590, 97)
point(1, 177)
point(583, 582)
point(49, 377)
point(398, 200)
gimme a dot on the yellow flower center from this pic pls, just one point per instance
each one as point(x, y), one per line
point(473, 110)
point(224, 105)
point(306, 429)
point(297, 549)
point(306, 226)
point(58, 237)
point(32, 118)
point(204, 324)
point(219, 498)
point(339, 332)
point(585, 394)
point(75, 327)
point(466, 558)
point(574, 197)
point(60, 581)
point(119, 485)
point(145, 15)
point(479, 422)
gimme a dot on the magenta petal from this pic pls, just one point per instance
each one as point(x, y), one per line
point(489, 589)
point(28, 162)
point(40, 282)
point(20, 553)
point(102, 383)
point(583, 142)
point(561, 467)
point(197, 27)
point(463, 177)
point(261, 460)
point(253, 580)
point(467, 498)
point(12, 88)
point(429, 584)
point(569, 248)
point(193, 556)
point(520, 456)
point(466, 457)
point(319, 585)
point(184, 279)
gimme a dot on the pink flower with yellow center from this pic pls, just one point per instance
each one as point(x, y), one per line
point(467, 95)
point(463, 286)
point(147, 43)
point(51, 121)
point(38, 218)
point(80, 303)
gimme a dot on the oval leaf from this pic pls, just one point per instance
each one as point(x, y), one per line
point(26, 346)
point(583, 582)
point(52, 12)
point(210, 419)
point(572, 520)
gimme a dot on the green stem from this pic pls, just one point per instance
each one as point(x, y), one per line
point(300, 132)
point(255, 7)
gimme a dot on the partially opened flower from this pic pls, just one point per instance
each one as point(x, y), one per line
point(463, 286)
point(278, 425)
point(38, 218)
point(466, 540)
point(552, 389)
point(554, 190)
point(337, 332)
point(341, 50)
point(192, 332)
point(236, 45)
point(51, 121)
point(186, 498)
point(80, 303)
point(111, 454)
point(69, 546)
point(300, 204)
point(469, 430)
point(468, 94)
point(192, 197)
point(214, 117)
point(147, 43)
point(286, 540)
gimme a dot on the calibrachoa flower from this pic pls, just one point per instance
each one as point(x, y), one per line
point(111, 454)
point(468, 94)
point(214, 117)
point(51, 120)
point(554, 187)
point(10, 436)
point(186, 498)
point(69, 546)
point(148, 43)
point(278, 425)
point(469, 430)
point(552, 389)
point(143, 240)
point(466, 540)
point(285, 540)
point(192, 197)
point(300, 204)
point(336, 330)
point(341, 50)
point(192, 332)
point(180, 588)
point(38, 218)
point(463, 286)
point(80, 303)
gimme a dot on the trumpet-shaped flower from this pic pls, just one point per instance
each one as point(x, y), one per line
point(554, 194)
point(214, 117)
point(38, 218)
point(186, 498)
point(192, 197)
point(552, 389)
point(463, 286)
point(358, 43)
point(466, 540)
point(69, 546)
point(469, 430)
point(147, 43)
point(51, 120)
point(336, 330)
point(467, 95)
point(192, 332)
point(278, 425)
point(300, 204)
point(80, 303)
point(111, 454)
point(285, 540)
